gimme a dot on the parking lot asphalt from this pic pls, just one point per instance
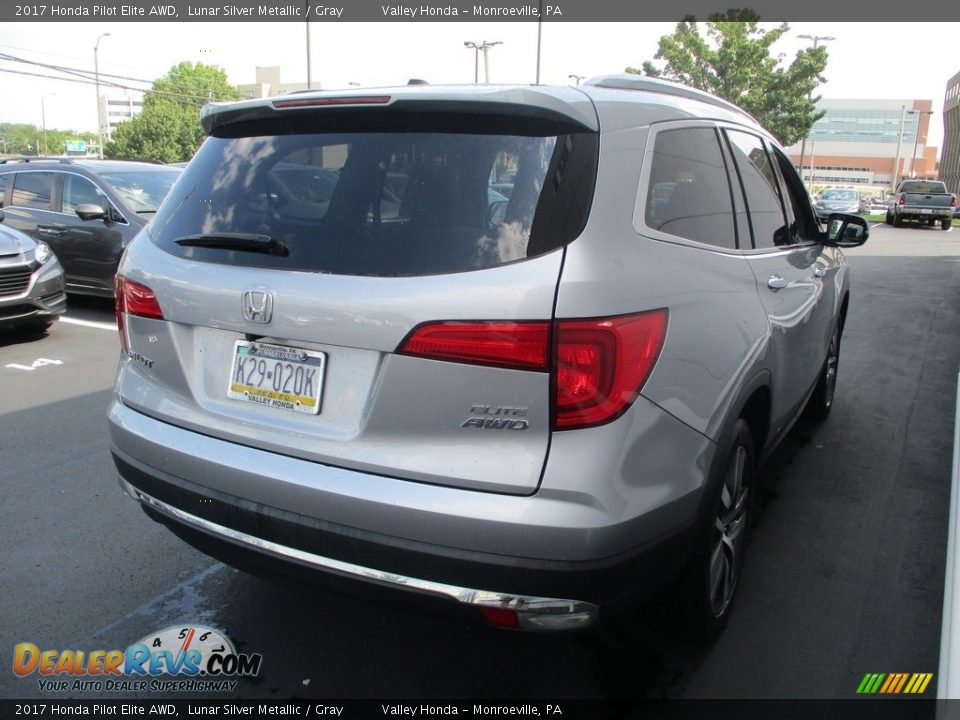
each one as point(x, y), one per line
point(844, 570)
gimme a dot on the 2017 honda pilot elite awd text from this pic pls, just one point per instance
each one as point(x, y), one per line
point(344, 351)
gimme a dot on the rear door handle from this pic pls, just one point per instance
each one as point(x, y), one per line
point(775, 282)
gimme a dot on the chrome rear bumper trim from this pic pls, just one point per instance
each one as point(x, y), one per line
point(533, 613)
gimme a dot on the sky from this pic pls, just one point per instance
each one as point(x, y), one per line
point(864, 57)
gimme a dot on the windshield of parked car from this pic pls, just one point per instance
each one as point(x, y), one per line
point(143, 190)
point(850, 195)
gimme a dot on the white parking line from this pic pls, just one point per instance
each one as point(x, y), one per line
point(90, 323)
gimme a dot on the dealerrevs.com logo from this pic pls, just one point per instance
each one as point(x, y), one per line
point(184, 659)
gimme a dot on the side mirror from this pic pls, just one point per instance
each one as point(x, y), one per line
point(845, 230)
point(91, 211)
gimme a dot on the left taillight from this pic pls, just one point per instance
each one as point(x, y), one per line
point(133, 298)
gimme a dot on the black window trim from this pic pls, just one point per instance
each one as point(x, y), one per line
point(766, 144)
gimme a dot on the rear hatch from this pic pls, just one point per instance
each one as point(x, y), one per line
point(340, 281)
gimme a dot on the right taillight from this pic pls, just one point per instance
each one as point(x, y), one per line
point(133, 298)
point(600, 366)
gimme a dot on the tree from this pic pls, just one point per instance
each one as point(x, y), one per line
point(734, 62)
point(26, 139)
point(168, 129)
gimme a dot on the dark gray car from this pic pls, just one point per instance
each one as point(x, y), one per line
point(31, 282)
point(86, 210)
point(537, 407)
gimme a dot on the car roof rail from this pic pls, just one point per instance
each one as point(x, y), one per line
point(35, 158)
point(664, 87)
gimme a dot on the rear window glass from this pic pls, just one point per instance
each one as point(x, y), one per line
point(375, 203)
point(918, 186)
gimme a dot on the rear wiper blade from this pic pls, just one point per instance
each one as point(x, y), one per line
point(248, 242)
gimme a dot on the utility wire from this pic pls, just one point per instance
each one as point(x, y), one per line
point(85, 77)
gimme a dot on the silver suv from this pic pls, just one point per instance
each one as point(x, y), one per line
point(516, 348)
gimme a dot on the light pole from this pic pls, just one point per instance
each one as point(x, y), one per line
point(896, 159)
point(483, 46)
point(43, 117)
point(916, 138)
point(803, 144)
point(576, 78)
point(476, 59)
point(96, 72)
point(306, 23)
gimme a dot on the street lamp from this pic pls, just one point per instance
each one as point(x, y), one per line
point(916, 138)
point(576, 78)
point(306, 23)
point(483, 46)
point(96, 72)
point(816, 42)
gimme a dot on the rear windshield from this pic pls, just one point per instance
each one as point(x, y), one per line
point(382, 203)
point(919, 186)
point(839, 195)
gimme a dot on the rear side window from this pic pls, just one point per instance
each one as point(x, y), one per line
point(760, 187)
point(4, 184)
point(383, 203)
point(689, 194)
point(33, 189)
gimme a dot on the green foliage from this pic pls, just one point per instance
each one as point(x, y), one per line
point(734, 61)
point(24, 139)
point(168, 129)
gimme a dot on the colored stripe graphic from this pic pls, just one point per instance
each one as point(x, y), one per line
point(894, 683)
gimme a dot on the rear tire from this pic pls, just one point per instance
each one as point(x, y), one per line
point(709, 581)
point(888, 218)
point(897, 220)
point(821, 401)
point(946, 223)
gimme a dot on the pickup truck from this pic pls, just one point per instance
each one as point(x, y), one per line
point(922, 200)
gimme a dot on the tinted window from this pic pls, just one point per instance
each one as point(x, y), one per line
point(79, 191)
point(803, 227)
point(689, 195)
point(33, 189)
point(375, 203)
point(760, 188)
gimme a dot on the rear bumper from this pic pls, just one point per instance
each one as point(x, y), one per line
point(908, 213)
point(550, 591)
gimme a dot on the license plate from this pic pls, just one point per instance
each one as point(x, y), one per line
point(278, 376)
point(926, 211)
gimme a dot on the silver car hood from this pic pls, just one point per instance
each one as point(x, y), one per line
point(12, 244)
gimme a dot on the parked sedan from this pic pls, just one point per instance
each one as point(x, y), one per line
point(85, 210)
point(31, 281)
point(837, 200)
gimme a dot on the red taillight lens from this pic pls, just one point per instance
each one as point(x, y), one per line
point(599, 365)
point(953, 201)
point(902, 199)
point(134, 299)
point(522, 346)
point(602, 364)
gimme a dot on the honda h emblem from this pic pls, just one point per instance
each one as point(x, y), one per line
point(258, 306)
